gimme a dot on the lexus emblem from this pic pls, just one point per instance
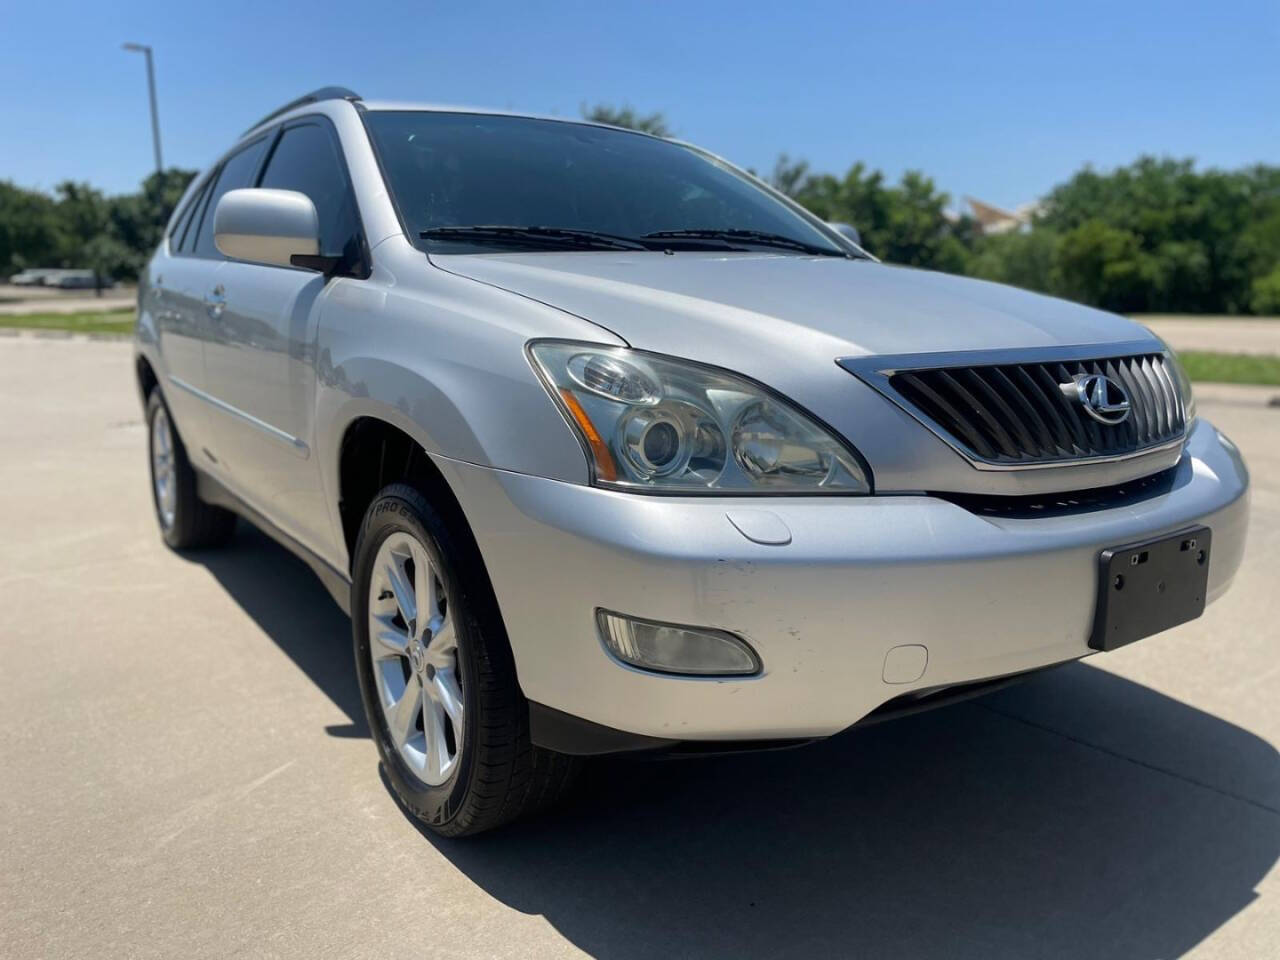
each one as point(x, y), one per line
point(1102, 398)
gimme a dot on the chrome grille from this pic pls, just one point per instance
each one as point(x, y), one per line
point(1022, 413)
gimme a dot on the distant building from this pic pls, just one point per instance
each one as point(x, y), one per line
point(993, 220)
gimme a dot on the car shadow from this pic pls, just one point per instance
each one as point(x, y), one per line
point(293, 608)
point(1078, 814)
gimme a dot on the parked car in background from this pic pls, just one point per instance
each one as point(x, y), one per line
point(608, 447)
point(31, 278)
point(77, 280)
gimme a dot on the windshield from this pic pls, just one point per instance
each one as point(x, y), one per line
point(455, 170)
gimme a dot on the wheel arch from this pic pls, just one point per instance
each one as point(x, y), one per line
point(368, 447)
point(375, 453)
point(147, 379)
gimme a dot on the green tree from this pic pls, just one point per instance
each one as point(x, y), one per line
point(81, 215)
point(1257, 250)
point(107, 257)
point(789, 176)
point(1195, 241)
point(28, 229)
point(137, 220)
point(1022, 258)
point(860, 198)
point(907, 223)
point(1265, 293)
point(1156, 235)
point(920, 233)
point(1103, 265)
point(80, 227)
point(627, 116)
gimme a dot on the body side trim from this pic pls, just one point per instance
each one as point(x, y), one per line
point(299, 447)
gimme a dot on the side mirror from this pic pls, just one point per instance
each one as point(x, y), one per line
point(267, 226)
point(847, 230)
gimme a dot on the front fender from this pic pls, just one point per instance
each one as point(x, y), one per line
point(489, 417)
point(446, 365)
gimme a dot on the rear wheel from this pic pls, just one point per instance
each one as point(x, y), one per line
point(185, 520)
point(437, 677)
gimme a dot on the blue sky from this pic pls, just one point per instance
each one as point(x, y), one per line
point(996, 100)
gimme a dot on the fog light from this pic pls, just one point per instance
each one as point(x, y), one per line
point(668, 648)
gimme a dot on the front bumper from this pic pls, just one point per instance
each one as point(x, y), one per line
point(987, 596)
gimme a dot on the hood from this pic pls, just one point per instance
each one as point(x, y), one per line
point(709, 306)
point(784, 320)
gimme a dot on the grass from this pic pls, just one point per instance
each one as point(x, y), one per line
point(1232, 367)
point(110, 321)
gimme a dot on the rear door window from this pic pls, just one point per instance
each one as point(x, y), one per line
point(183, 232)
point(180, 224)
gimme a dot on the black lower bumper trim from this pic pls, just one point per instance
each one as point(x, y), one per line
point(919, 701)
point(565, 733)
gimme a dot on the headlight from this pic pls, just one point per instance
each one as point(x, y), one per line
point(654, 423)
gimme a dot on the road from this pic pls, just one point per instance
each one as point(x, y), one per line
point(186, 772)
point(15, 301)
point(1218, 334)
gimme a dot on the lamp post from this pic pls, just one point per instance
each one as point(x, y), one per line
point(151, 87)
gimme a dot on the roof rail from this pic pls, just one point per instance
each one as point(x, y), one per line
point(315, 96)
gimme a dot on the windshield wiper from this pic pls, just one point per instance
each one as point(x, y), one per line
point(535, 236)
point(760, 238)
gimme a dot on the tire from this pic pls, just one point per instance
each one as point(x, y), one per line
point(186, 522)
point(475, 768)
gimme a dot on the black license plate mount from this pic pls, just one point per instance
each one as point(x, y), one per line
point(1150, 586)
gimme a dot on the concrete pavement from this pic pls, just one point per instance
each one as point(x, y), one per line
point(1218, 334)
point(15, 301)
point(185, 771)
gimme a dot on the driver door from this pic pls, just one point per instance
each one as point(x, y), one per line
point(261, 358)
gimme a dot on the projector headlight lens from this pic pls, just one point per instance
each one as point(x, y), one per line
point(658, 424)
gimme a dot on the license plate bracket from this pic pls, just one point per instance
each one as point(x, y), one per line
point(1149, 586)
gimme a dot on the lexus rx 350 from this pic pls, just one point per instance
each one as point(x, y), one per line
point(606, 446)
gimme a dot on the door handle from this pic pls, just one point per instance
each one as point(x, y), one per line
point(215, 301)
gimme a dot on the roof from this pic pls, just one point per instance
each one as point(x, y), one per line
point(343, 93)
point(407, 105)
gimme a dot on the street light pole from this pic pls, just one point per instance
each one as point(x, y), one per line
point(151, 87)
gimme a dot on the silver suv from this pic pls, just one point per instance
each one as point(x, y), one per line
point(606, 446)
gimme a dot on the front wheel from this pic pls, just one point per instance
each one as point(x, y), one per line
point(437, 676)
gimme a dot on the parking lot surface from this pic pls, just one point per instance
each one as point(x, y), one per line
point(16, 301)
point(1218, 334)
point(185, 770)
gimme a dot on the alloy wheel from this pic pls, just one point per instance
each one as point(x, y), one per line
point(163, 473)
point(414, 648)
